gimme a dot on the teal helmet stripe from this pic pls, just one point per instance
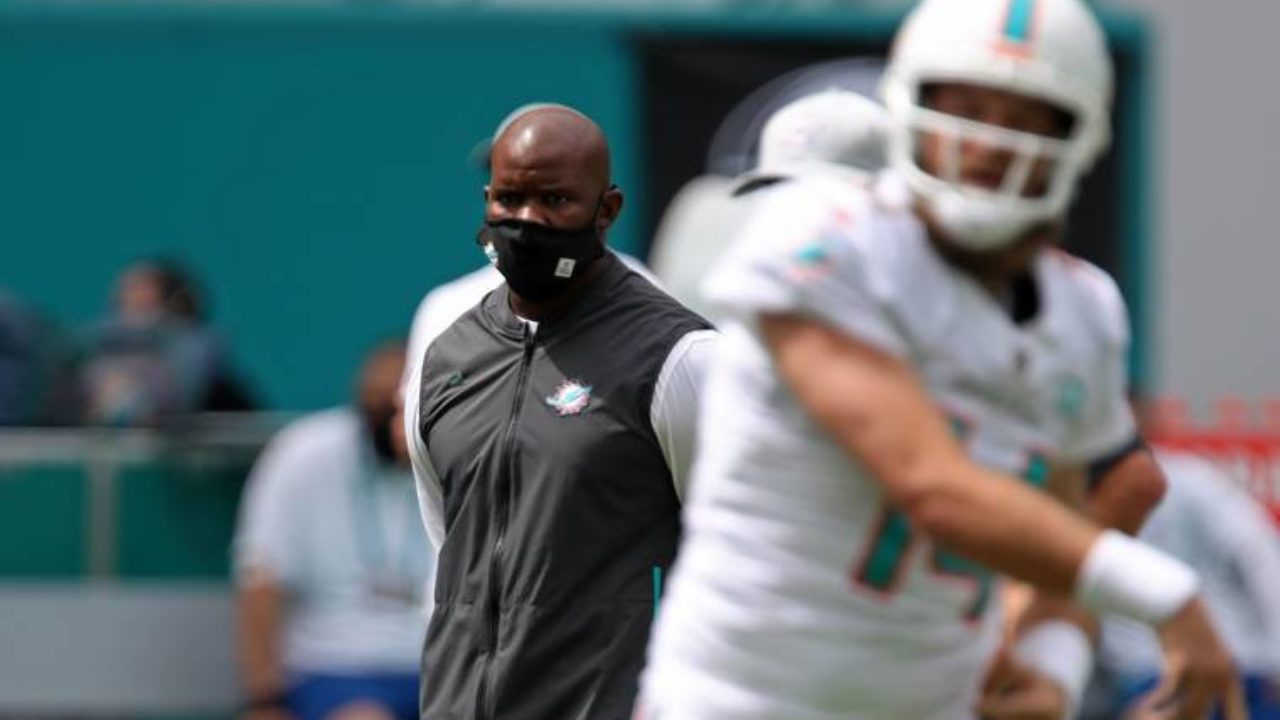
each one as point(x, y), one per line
point(1017, 26)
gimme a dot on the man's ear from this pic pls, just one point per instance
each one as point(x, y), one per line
point(610, 207)
point(486, 194)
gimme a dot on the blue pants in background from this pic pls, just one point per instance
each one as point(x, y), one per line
point(314, 696)
point(1261, 694)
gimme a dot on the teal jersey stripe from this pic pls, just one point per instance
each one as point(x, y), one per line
point(657, 587)
point(1017, 27)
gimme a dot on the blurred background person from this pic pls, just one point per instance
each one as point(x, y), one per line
point(37, 384)
point(811, 133)
point(155, 357)
point(333, 564)
point(832, 130)
point(1212, 524)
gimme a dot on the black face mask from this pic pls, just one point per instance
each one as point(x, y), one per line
point(540, 262)
point(378, 425)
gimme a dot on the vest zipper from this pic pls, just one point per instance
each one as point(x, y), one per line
point(502, 509)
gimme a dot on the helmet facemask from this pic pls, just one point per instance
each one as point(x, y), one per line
point(1036, 184)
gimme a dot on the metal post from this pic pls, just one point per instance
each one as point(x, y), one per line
point(100, 535)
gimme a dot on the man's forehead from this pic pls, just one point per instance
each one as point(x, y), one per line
point(551, 173)
point(532, 165)
point(534, 145)
point(550, 149)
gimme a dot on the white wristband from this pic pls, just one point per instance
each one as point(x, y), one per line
point(1060, 651)
point(1123, 576)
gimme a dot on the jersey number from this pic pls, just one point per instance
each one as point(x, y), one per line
point(893, 538)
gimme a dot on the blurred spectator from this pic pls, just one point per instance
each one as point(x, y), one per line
point(155, 357)
point(37, 384)
point(1219, 529)
point(333, 564)
point(812, 132)
point(829, 131)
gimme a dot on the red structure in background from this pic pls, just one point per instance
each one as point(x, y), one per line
point(1243, 439)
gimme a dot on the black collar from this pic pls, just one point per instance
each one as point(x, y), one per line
point(497, 312)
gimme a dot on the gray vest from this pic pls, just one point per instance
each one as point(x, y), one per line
point(559, 510)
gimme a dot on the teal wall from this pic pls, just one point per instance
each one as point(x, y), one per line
point(308, 161)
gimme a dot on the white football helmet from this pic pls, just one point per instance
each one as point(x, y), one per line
point(1053, 50)
point(834, 130)
point(835, 126)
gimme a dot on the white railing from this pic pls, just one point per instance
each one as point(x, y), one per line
point(203, 441)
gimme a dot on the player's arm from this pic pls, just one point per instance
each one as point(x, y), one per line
point(878, 411)
point(1051, 637)
point(875, 407)
point(1041, 671)
point(1135, 485)
point(1067, 485)
point(1124, 487)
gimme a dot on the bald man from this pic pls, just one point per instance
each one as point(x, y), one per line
point(551, 429)
point(444, 304)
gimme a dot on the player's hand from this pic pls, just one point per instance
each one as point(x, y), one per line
point(1013, 691)
point(1198, 672)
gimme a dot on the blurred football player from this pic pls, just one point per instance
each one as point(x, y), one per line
point(827, 131)
point(833, 131)
point(901, 365)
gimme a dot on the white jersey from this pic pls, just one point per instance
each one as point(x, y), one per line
point(798, 593)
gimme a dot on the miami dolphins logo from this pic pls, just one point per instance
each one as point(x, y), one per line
point(1071, 396)
point(570, 398)
point(812, 260)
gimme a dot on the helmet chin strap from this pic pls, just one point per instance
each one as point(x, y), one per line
point(975, 225)
point(988, 232)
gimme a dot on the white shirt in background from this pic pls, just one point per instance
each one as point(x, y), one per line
point(341, 534)
point(1217, 528)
